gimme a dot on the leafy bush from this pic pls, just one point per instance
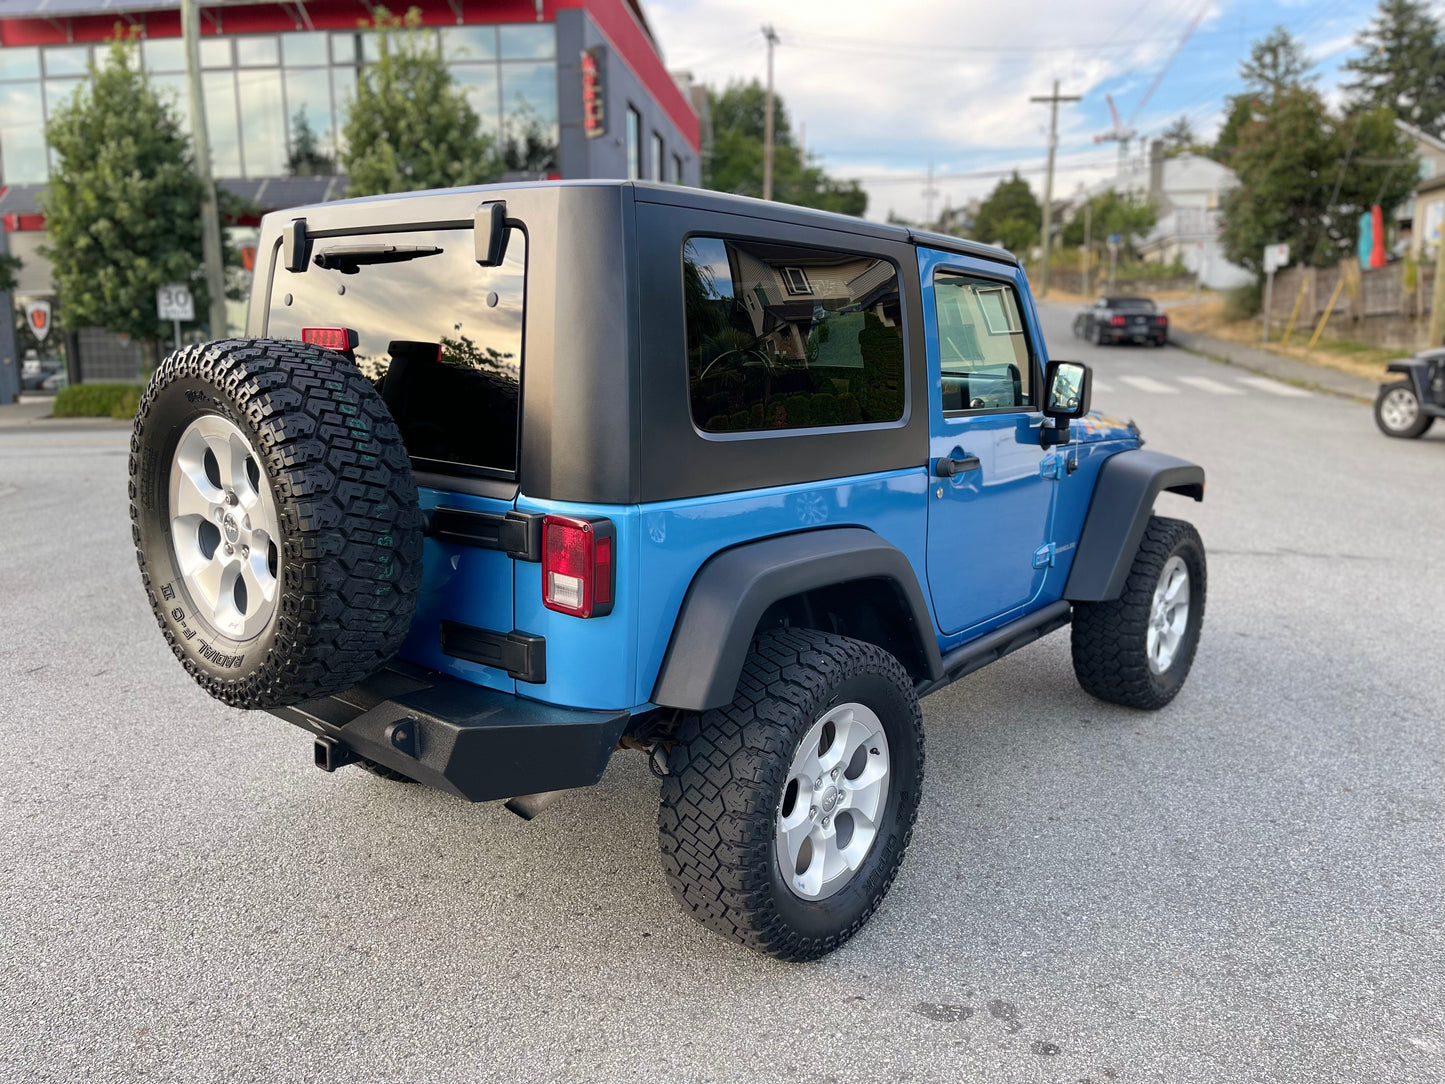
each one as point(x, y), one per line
point(98, 401)
point(826, 410)
point(1243, 302)
point(800, 413)
point(849, 410)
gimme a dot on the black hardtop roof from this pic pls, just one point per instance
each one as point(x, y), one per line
point(677, 195)
point(1129, 299)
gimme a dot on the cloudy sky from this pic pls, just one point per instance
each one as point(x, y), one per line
point(884, 89)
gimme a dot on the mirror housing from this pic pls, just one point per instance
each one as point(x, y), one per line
point(1068, 387)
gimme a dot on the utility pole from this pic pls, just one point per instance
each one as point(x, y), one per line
point(771, 37)
point(929, 192)
point(1437, 296)
point(210, 217)
point(1088, 241)
point(1053, 99)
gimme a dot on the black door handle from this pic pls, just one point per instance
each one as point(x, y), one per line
point(947, 468)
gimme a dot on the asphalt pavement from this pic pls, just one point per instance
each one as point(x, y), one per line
point(1245, 886)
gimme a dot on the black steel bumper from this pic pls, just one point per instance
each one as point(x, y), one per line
point(476, 743)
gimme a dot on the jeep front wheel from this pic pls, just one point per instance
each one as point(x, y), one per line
point(1136, 650)
point(785, 815)
point(1398, 413)
point(275, 520)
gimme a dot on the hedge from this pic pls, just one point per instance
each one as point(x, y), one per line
point(97, 401)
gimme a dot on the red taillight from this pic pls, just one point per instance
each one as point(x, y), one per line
point(578, 565)
point(1116, 321)
point(341, 339)
point(1161, 319)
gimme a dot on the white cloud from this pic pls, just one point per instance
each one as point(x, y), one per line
point(886, 88)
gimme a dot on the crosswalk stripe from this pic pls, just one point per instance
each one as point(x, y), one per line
point(1274, 387)
point(1214, 387)
point(1149, 384)
point(1102, 385)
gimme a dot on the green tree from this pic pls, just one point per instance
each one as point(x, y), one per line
point(734, 162)
point(1402, 67)
point(1010, 216)
point(305, 157)
point(1306, 176)
point(1110, 212)
point(410, 126)
point(123, 203)
point(529, 146)
point(1277, 62)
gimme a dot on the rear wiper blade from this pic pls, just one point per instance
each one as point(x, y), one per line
point(348, 259)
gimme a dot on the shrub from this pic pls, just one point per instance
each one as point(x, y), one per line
point(799, 412)
point(740, 420)
point(849, 410)
point(97, 401)
point(1243, 302)
point(825, 409)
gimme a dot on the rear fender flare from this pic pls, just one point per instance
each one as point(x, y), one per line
point(1119, 512)
point(734, 588)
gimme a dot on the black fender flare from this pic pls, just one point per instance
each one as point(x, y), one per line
point(1119, 512)
point(1418, 373)
point(733, 589)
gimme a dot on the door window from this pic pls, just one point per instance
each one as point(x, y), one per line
point(983, 352)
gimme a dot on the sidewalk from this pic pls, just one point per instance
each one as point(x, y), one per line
point(1303, 374)
point(33, 412)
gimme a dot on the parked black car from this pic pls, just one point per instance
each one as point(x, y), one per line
point(1122, 319)
point(1406, 408)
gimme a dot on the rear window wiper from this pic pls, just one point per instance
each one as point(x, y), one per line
point(348, 259)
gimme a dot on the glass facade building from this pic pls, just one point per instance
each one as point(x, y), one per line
point(260, 88)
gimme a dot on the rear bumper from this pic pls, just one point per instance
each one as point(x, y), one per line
point(476, 743)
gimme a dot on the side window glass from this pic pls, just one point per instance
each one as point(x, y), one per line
point(983, 352)
point(785, 337)
point(439, 336)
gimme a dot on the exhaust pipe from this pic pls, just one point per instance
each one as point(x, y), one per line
point(528, 806)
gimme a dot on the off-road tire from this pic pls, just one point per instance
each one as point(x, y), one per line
point(1422, 420)
point(1109, 638)
point(726, 774)
point(350, 529)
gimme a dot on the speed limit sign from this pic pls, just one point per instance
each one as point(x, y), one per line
point(174, 302)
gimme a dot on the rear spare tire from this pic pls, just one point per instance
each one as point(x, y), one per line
point(275, 520)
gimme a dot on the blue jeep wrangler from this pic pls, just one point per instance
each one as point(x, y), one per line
point(505, 478)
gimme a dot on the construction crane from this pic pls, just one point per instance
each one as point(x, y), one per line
point(1123, 131)
point(1120, 133)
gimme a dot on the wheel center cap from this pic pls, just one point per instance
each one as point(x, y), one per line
point(232, 531)
point(830, 798)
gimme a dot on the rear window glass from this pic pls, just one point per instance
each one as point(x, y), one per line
point(439, 335)
point(1131, 304)
point(783, 337)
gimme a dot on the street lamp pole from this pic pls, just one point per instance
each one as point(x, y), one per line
point(210, 216)
point(771, 37)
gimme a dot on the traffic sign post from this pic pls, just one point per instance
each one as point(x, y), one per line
point(175, 303)
point(1275, 257)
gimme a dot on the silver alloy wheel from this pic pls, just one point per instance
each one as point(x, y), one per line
point(224, 528)
point(1399, 409)
point(833, 800)
point(1168, 615)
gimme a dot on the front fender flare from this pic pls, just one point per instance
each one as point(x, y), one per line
point(1119, 512)
point(733, 589)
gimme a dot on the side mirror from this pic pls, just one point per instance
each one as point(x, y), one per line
point(1067, 389)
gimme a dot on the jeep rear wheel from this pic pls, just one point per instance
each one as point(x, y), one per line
point(1137, 650)
point(785, 815)
point(275, 520)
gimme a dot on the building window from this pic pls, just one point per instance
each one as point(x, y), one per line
point(676, 177)
point(634, 144)
point(654, 167)
point(759, 357)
